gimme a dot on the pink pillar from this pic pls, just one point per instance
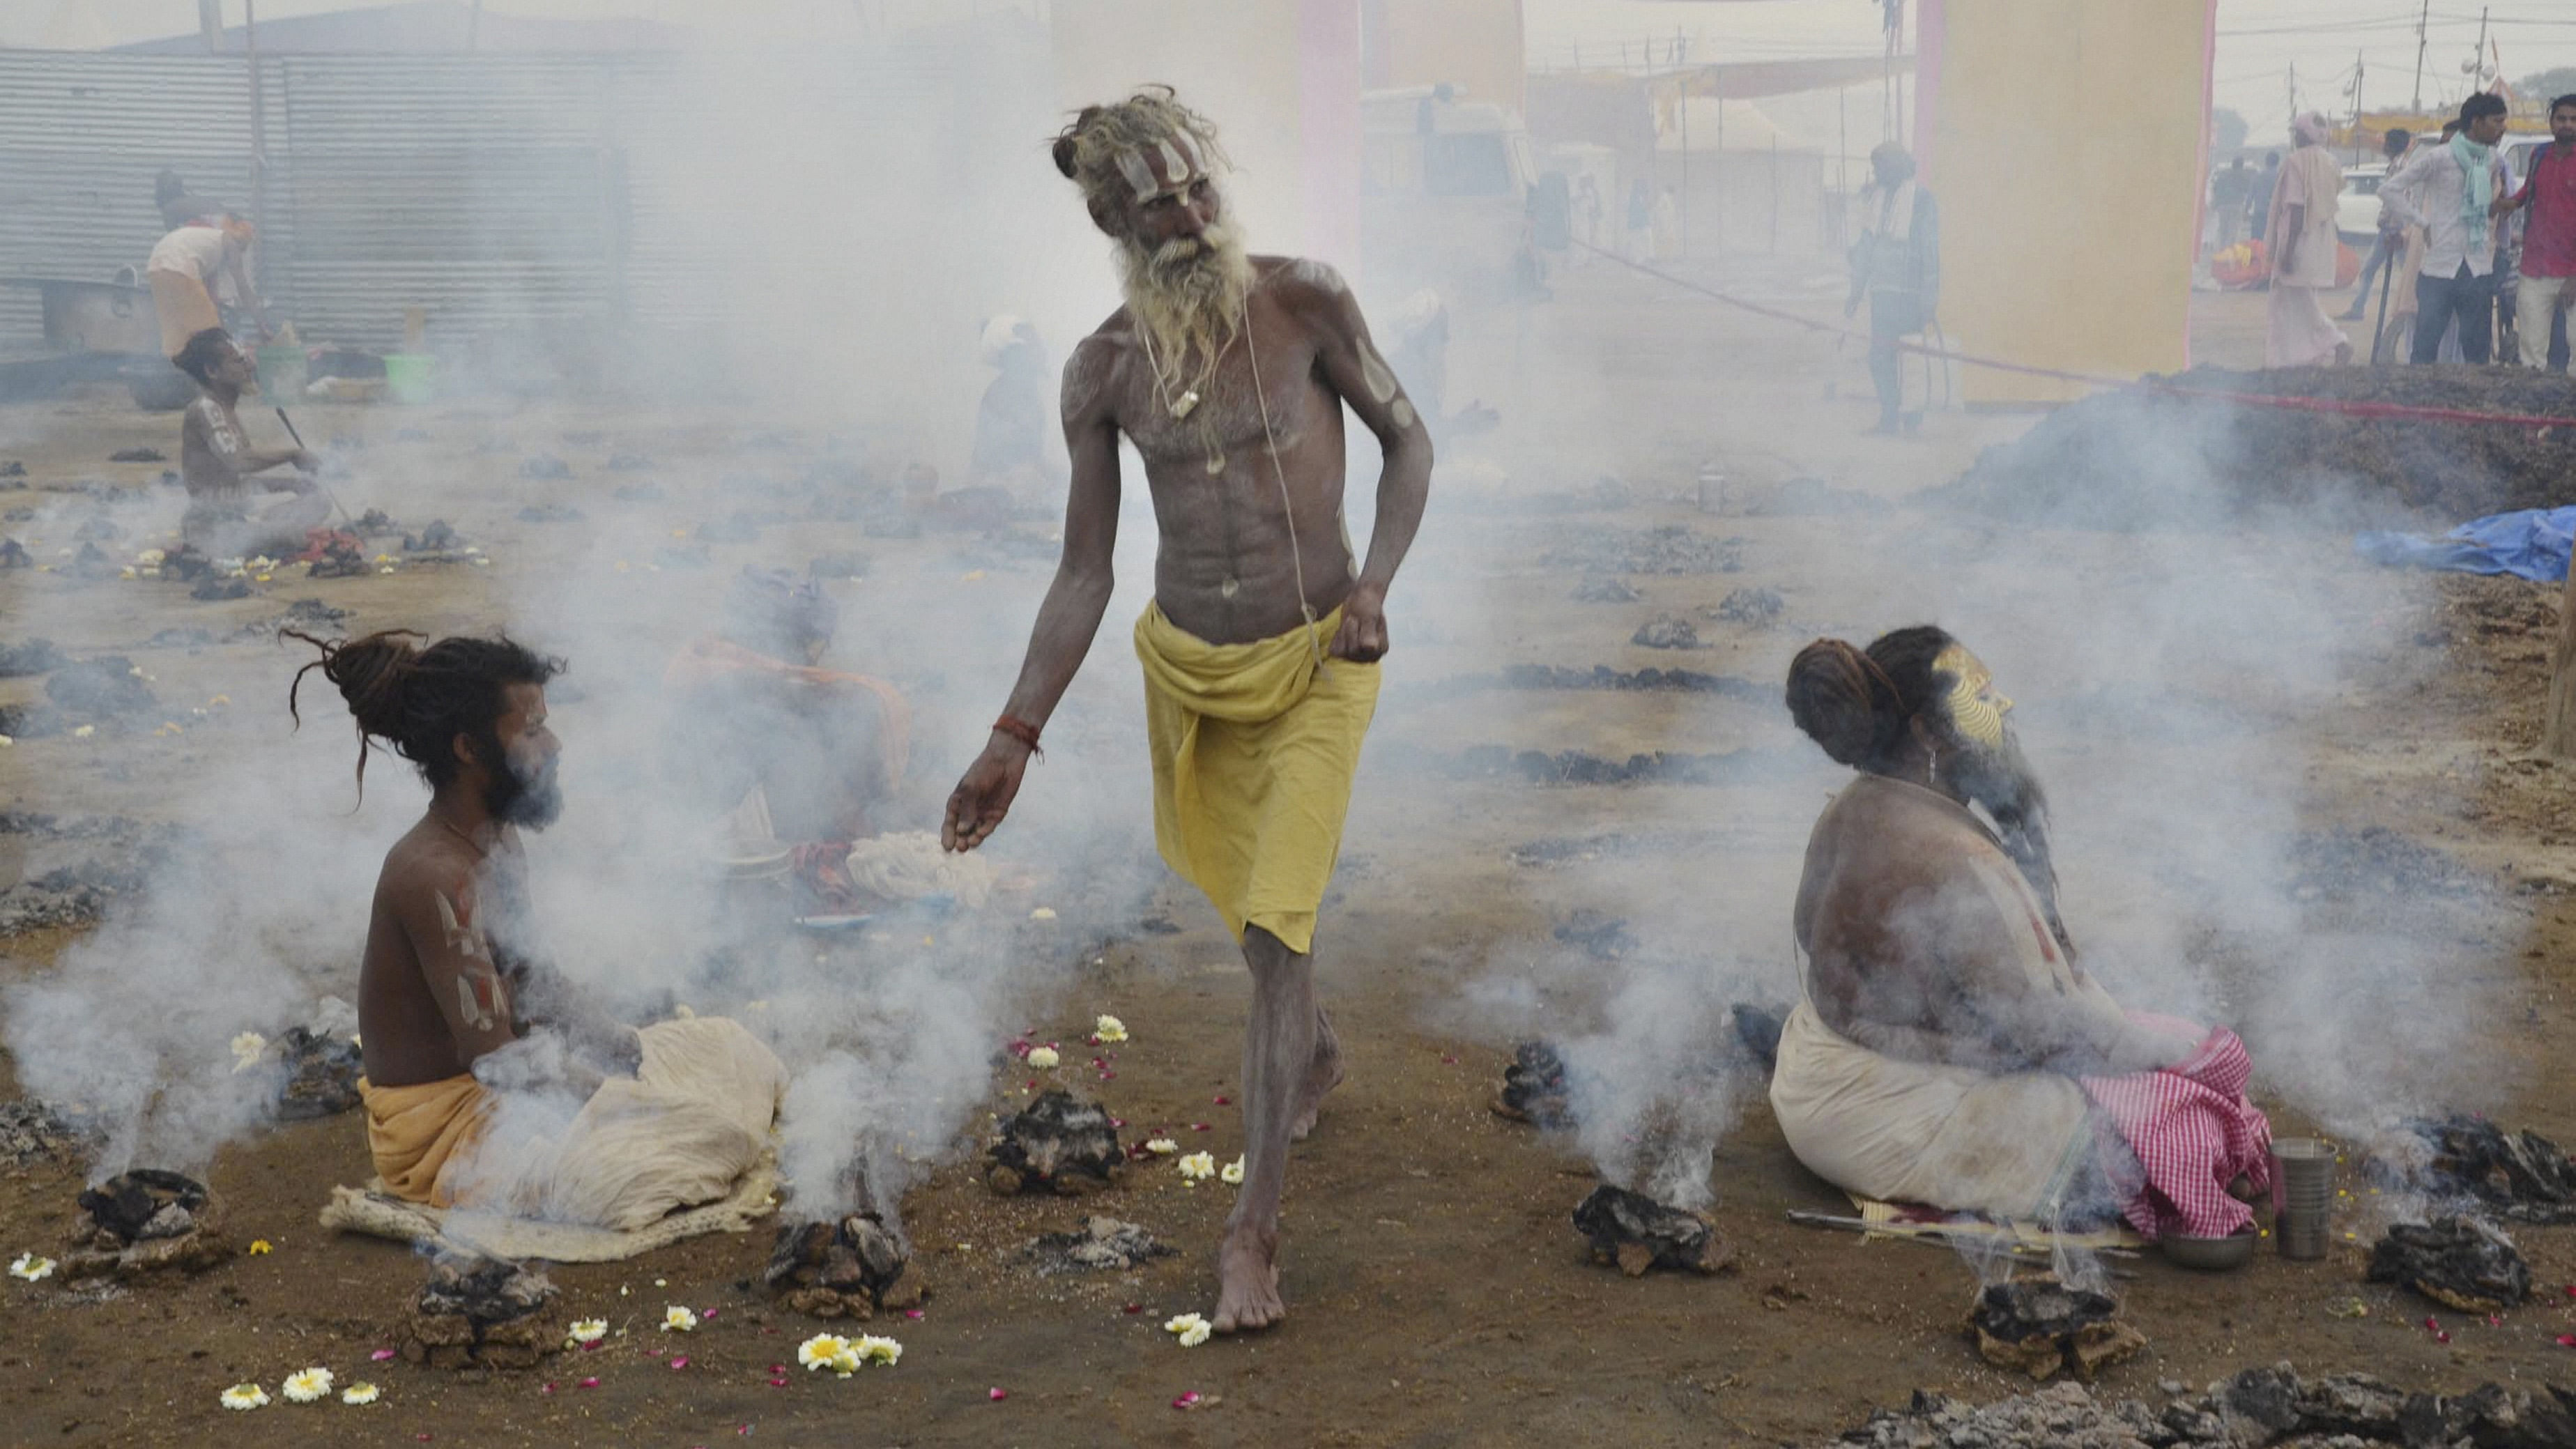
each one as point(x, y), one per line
point(1328, 114)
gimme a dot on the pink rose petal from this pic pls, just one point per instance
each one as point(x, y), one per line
point(778, 1383)
point(997, 1395)
point(1117, 1121)
point(1201, 1127)
point(1133, 1308)
point(587, 1384)
point(1225, 1101)
point(912, 1313)
point(1188, 1400)
point(2567, 1340)
point(380, 1355)
point(778, 1368)
point(708, 1314)
point(680, 1361)
point(548, 1389)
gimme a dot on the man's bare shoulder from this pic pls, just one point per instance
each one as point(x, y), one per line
point(1300, 276)
point(1091, 369)
point(429, 857)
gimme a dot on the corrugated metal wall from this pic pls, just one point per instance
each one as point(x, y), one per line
point(503, 194)
point(81, 138)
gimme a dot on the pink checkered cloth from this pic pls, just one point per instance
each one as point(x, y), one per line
point(2194, 1132)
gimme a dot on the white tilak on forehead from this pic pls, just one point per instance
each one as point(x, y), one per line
point(1180, 162)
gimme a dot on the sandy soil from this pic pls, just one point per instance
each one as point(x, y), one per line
point(1439, 1294)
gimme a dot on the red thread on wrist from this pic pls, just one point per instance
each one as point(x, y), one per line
point(1021, 730)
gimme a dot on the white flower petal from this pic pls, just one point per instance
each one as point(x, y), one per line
point(1233, 1173)
point(676, 1319)
point(245, 1396)
point(305, 1387)
point(1043, 1058)
point(1196, 1334)
point(360, 1394)
point(32, 1268)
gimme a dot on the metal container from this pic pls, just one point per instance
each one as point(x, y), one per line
point(2302, 1195)
point(2210, 1254)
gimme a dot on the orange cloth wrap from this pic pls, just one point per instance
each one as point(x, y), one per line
point(415, 1132)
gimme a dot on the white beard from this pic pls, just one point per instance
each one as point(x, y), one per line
point(1188, 295)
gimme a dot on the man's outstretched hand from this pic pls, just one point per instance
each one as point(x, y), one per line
point(1362, 637)
point(984, 794)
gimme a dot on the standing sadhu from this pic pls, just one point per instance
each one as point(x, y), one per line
point(2305, 254)
point(1229, 373)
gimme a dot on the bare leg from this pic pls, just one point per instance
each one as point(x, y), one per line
point(1321, 1077)
point(1278, 1056)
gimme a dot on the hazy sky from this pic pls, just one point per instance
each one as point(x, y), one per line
point(2258, 40)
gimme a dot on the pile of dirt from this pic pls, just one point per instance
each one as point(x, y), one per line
point(2460, 1262)
point(1671, 549)
point(2134, 458)
point(144, 1220)
point(1100, 1245)
point(31, 1129)
point(1602, 676)
point(1060, 1144)
point(2042, 1327)
point(846, 1267)
point(2372, 863)
point(1637, 1233)
point(36, 656)
point(2522, 1175)
point(480, 1315)
point(2258, 1407)
point(1574, 767)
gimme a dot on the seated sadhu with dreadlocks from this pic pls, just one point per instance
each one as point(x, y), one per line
point(1949, 1051)
point(1229, 373)
point(490, 1081)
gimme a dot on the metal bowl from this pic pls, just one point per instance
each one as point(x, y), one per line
point(2213, 1255)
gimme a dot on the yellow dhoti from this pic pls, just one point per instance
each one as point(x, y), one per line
point(414, 1132)
point(1254, 749)
point(184, 305)
point(692, 1119)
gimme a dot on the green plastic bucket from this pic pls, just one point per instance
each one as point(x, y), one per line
point(408, 376)
point(281, 372)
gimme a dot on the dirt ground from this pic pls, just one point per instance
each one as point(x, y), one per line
point(1438, 1293)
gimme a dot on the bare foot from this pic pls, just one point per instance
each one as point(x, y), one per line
point(1322, 1076)
point(1247, 1295)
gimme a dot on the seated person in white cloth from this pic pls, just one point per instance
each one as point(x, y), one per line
point(1949, 1051)
point(490, 1082)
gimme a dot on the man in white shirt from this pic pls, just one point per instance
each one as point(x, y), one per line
point(2448, 190)
point(186, 270)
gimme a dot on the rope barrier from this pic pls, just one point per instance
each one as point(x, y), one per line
point(2406, 412)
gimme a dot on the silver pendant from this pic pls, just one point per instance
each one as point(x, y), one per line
point(1215, 464)
point(1228, 589)
point(1182, 408)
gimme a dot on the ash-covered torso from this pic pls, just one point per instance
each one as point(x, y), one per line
point(210, 447)
point(1226, 570)
point(446, 958)
point(1926, 943)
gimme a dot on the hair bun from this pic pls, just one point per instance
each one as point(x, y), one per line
point(1843, 701)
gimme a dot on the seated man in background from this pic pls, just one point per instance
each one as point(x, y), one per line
point(490, 1082)
point(1949, 1051)
point(216, 462)
point(784, 750)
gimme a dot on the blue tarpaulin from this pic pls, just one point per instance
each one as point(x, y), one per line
point(2531, 544)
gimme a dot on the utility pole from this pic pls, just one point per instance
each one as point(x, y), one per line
point(2478, 67)
point(2294, 90)
point(2358, 70)
point(2421, 21)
